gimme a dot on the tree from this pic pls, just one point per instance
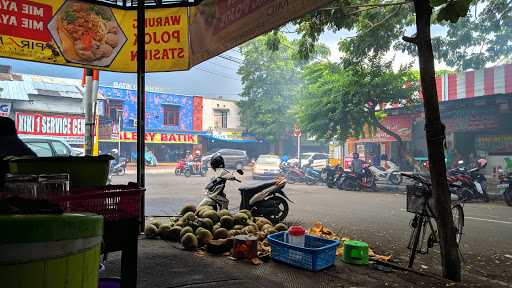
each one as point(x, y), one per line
point(340, 101)
point(377, 38)
point(271, 80)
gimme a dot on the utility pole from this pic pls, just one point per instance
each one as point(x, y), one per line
point(89, 113)
point(297, 134)
point(435, 131)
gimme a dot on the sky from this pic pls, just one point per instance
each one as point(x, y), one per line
point(216, 77)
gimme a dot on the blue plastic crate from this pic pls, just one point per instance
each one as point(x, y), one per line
point(317, 253)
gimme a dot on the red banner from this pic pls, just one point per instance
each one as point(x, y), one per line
point(25, 19)
point(400, 124)
point(50, 125)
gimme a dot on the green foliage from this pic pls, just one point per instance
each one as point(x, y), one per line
point(339, 101)
point(271, 80)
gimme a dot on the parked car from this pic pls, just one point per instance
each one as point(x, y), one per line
point(266, 167)
point(320, 160)
point(233, 158)
point(49, 147)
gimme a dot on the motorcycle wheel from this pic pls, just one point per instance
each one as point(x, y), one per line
point(310, 181)
point(291, 180)
point(507, 196)
point(177, 172)
point(121, 171)
point(330, 184)
point(187, 173)
point(395, 178)
point(203, 172)
point(282, 205)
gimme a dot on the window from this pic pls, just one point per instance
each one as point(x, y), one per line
point(220, 118)
point(60, 148)
point(171, 115)
point(42, 149)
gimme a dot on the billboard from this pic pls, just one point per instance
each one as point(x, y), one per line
point(160, 138)
point(83, 34)
point(68, 127)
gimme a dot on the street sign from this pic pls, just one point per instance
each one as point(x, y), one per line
point(297, 132)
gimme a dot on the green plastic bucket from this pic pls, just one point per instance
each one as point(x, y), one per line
point(84, 171)
point(57, 251)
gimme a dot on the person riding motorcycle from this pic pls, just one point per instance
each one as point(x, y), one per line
point(357, 165)
point(115, 153)
point(217, 164)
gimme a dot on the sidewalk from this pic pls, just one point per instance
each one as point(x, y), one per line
point(164, 265)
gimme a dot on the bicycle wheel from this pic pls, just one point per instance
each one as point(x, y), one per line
point(416, 233)
point(458, 221)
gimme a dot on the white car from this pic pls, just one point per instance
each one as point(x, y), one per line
point(320, 160)
point(49, 147)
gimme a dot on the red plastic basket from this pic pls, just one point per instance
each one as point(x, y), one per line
point(113, 202)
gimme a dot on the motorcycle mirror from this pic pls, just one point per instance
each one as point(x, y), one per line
point(240, 171)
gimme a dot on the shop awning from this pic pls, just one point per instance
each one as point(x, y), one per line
point(246, 139)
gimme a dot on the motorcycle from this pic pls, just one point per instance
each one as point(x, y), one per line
point(195, 168)
point(118, 168)
point(312, 176)
point(471, 179)
point(391, 174)
point(265, 199)
point(330, 175)
point(292, 173)
point(352, 181)
point(180, 167)
point(506, 183)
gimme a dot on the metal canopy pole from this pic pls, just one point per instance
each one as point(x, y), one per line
point(141, 102)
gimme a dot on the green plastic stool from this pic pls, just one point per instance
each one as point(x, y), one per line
point(355, 252)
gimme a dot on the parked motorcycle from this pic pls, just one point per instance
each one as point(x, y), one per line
point(351, 181)
point(506, 184)
point(180, 167)
point(471, 179)
point(265, 199)
point(330, 175)
point(312, 176)
point(195, 168)
point(390, 173)
point(292, 173)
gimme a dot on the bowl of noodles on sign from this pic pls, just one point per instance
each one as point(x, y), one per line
point(86, 33)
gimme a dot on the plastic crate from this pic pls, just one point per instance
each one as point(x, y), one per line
point(84, 171)
point(317, 253)
point(113, 202)
point(417, 197)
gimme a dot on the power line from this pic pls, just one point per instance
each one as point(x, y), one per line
point(234, 69)
point(231, 58)
point(216, 73)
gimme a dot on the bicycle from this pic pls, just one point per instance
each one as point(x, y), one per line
point(419, 202)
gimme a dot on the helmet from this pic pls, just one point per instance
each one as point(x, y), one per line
point(217, 162)
point(482, 163)
point(198, 152)
point(355, 155)
point(114, 151)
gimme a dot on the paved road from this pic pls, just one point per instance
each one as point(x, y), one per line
point(378, 218)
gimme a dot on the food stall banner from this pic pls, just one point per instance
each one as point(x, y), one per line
point(400, 124)
point(219, 25)
point(161, 138)
point(83, 34)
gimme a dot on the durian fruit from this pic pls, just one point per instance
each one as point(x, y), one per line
point(202, 209)
point(204, 236)
point(150, 231)
point(156, 223)
point(206, 223)
point(246, 212)
point(216, 226)
point(260, 221)
point(188, 217)
point(188, 208)
point(186, 230)
point(233, 233)
point(227, 222)
point(174, 234)
point(281, 227)
point(223, 213)
point(241, 219)
point(180, 224)
point(212, 215)
point(189, 241)
point(266, 227)
point(163, 231)
point(238, 227)
point(221, 233)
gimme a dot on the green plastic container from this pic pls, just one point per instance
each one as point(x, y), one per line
point(58, 251)
point(355, 252)
point(84, 171)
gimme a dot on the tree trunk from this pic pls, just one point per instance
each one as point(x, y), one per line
point(435, 144)
point(379, 125)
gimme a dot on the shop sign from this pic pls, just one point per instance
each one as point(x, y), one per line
point(50, 125)
point(5, 109)
point(83, 34)
point(494, 143)
point(400, 124)
point(163, 138)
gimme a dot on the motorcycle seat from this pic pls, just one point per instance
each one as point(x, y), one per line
point(259, 186)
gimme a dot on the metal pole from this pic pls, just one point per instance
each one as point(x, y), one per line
point(298, 150)
point(89, 115)
point(119, 117)
point(141, 103)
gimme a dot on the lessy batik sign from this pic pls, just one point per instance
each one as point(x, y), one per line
point(162, 138)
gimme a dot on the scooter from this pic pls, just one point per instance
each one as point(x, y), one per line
point(351, 181)
point(391, 174)
point(471, 179)
point(195, 168)
point(265, 199)
point(330, 175)
point(506, 184)
point(180, 167)
point(292, 173)
point(312, 176)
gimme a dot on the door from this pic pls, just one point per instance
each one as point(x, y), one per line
point(60, 149)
